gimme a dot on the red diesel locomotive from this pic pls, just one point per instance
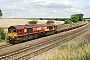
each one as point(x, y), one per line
point(19, 33)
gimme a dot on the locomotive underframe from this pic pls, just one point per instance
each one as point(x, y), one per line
point(30, 36)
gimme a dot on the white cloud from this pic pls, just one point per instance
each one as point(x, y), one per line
point(44, 13)
point(43, 8)
point(54, 11)
point(77, 10)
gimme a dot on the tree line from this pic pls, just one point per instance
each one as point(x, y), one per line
point(1, 13)
point(74, 18)
point(2, 34)
point(35, 22)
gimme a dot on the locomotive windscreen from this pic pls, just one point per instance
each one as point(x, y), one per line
point(11, 30)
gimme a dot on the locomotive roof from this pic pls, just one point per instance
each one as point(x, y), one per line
point(31, 26)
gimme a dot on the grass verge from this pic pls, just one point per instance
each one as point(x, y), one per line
point(2, 41)
point(72, 50)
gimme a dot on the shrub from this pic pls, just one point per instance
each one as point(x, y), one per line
point(50, 21)
point(33, 22)
point(67, 21)
point(2, 34)
point(41, 18)
point(77, 17)
point(74, 19)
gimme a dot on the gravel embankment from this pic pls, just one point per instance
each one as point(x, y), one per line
point(29, 43)
point(3, 43)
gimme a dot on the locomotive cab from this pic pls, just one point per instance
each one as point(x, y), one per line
point(12, 33)
point(15, 33)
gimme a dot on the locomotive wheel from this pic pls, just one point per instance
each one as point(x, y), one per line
point(18, 41)
point(52, 32)
point(57, 32)
point(36, 36)
point(30, 37)
point(47, 33)
point(12, 42)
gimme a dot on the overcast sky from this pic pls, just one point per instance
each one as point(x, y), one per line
point(44, 8)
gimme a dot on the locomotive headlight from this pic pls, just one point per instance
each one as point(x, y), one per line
point(12, 36)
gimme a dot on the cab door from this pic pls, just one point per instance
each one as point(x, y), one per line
point(20, 32)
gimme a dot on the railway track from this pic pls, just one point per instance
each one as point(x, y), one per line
point(52, 45)
point(5, 45)
point(41, 47)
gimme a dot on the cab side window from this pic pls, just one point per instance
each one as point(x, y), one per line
point(19, 31)
point(51, 27)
